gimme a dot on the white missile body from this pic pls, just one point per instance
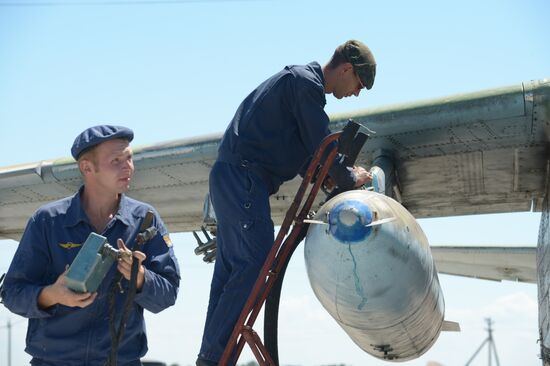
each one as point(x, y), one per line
point(370, 266)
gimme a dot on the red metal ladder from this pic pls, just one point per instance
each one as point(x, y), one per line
point(243, 331)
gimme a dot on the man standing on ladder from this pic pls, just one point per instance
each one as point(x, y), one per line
point(271, 138)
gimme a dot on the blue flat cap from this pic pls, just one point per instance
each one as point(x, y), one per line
point(98, 134)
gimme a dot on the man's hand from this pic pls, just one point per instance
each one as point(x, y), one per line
point(361, 176)
point(329, 184)
point(59, 293)
point(125, 263)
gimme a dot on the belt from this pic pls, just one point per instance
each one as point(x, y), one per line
point(237, 160)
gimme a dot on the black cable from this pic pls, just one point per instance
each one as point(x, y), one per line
point(147, 231)
point(271, 310)
point(116, 335)
point(112, 324)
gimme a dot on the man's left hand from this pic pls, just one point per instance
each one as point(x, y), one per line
point(125, 263)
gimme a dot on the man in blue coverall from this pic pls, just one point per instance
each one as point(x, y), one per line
point(72, 329)
point(271, 139)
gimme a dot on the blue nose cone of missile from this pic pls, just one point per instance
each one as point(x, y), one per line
point(348, 221)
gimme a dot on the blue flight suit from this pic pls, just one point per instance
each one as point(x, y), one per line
point(73, 336)
point(271, 139)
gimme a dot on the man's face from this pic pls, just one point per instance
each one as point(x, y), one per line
point(113, 166)
point(347, 83)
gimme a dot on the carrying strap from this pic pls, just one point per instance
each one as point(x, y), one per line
point(145, 233)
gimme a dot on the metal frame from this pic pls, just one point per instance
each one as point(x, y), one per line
point(243, 331)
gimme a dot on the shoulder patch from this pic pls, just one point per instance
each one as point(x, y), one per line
point(69, 245)
point(167, 240)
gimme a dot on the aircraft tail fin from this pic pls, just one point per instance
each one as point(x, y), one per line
point(450, 326)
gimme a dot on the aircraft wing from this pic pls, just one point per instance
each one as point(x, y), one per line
point(172, 176)
point(490, 263)
point(483, 152)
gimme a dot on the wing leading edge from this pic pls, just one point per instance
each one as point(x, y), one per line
point(483, 152)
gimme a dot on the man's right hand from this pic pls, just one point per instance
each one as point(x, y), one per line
point(362, 176)
point(59, 293)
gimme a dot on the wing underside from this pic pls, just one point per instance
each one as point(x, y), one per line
point(490, 263)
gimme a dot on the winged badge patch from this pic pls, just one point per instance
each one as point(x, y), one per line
point(69, 245)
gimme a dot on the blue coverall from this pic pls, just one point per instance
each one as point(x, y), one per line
point(271, 138)
point(72, 336)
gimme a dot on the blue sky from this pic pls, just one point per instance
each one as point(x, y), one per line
point(179, 70)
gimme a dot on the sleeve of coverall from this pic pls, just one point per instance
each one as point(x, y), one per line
point(28, 275)
point(313, 126)
point(162, 275)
